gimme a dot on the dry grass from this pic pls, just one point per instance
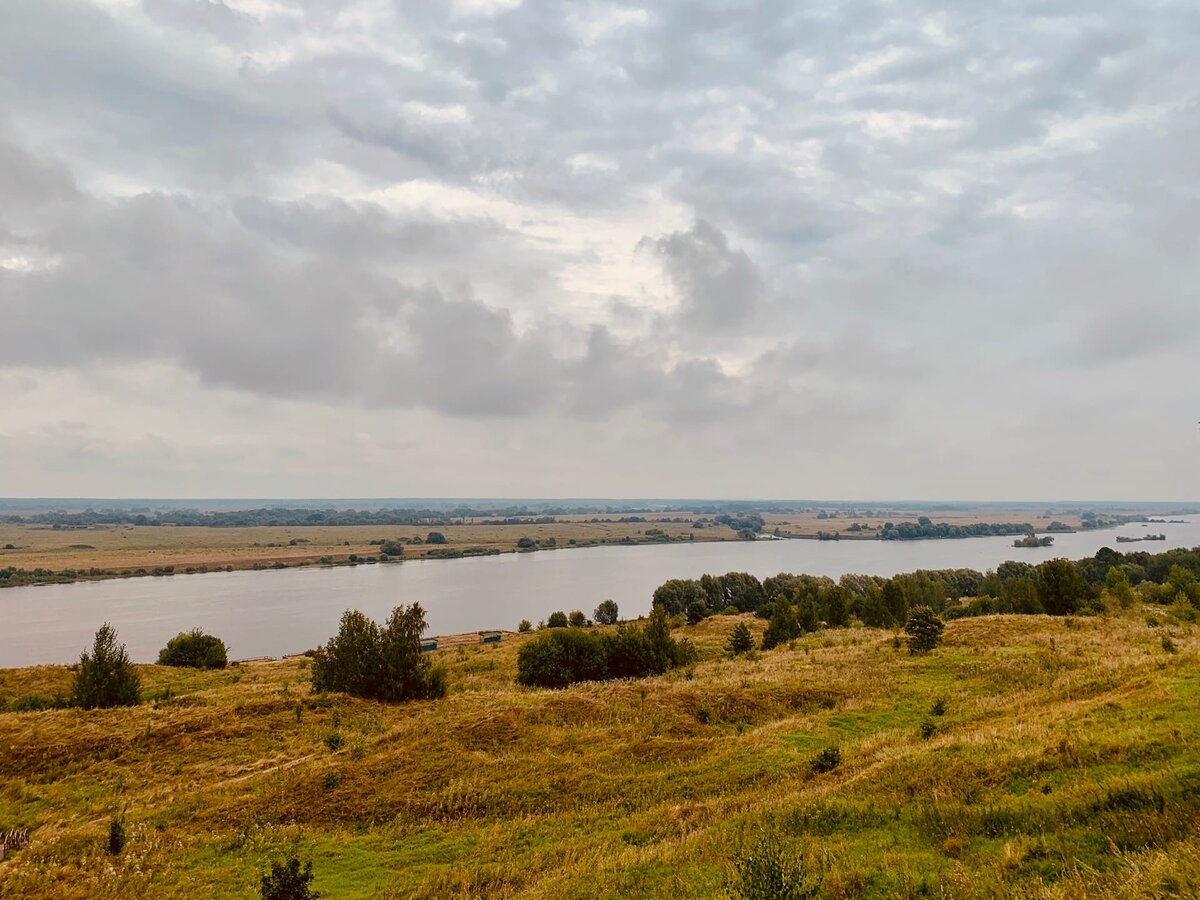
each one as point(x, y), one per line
point(1065, 766)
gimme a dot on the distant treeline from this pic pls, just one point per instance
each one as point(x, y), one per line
point(924, 529)
point(1057, 587)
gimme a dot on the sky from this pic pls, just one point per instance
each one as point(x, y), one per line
point(356, 248)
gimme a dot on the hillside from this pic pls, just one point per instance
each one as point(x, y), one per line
point(1065, 765)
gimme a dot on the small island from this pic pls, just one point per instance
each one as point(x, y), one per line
point(1032, 540)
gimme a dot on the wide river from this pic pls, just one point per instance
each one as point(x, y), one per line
point(276, 612)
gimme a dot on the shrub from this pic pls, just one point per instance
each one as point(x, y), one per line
point(1168, 644)
point(288, 880)
point(924, 629)
point(784, 626)
point(557, 620)
point(377, 663)
point(435, 537)
point(334, 741)
point(826, 761)
point(741, 640)
point(606, 613)
point(525, 627)
point(106, 677)
point(768, 872)
point(938, 708)
point(116, 836)
point(194, 650)
point(928, 729)
point(577, 619)
point(526, 543)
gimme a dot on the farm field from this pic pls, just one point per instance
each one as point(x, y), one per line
point(1063, 764)
point(127, 548)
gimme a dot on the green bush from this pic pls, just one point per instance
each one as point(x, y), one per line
point(768, 872)
point(557, 620)
point(784, 626)
point(577, 619)
point(377, 663)
point(741, 640)
point(106, 677)
point(924, 629)
point(525, 626)
point(288, 880)
point(194, 650)
point(560, 657)
point(116, 836)
point(826, 761)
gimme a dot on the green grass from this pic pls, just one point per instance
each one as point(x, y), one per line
point(1065, 765)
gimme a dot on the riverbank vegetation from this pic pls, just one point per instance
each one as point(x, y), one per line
point(1024, 756)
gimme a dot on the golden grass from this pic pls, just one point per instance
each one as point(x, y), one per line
point(1065, 766)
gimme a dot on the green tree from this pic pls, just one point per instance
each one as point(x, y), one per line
point(677, 594)
point(1116, 583)
point(385, 663)
point(836, 602)
point(696, 611)
point(577, 619)
point(350, 661)
point(782, 626)
point(195, 650)
point(435, 537)
point(525, 626)
point(606, 613)
point(288, 880)
point(895, 601)
point(1061, 589)
point(557, 620)
point(106, 677)
point(741, 640)
point(924, 629)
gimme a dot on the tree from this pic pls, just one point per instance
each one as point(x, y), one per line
point(606, 613)
point(783, 626)
point(1116, 583)
point(386, 663)
point(106, 677)
point(895, 601)
point(194, 650)
point(525, 626)
point(837, 606)
point(677, 594)
point(924, 629)
point(288, 880)
point(557, 620)
point(577, 619)
point(526, 543)
point(741, 640)
point(1060, 587)
point(435, 537)
point(696, 612)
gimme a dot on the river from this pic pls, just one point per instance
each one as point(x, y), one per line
point(276, 612)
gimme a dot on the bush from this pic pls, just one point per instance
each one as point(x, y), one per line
point(377, 663)
point(288, 880)
point(767, 872)
point(106, 677)
point(741, 640)
point(525, 626)
point(557, 620)
point(435, 537)
point(561, 657)
point(826, 761)
point(577, 619)
point(194, 650)
point(606, 613)
point(334, 741)
point(116, 836)
point(924, 629)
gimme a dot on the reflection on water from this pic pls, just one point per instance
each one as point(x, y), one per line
point(272, 613)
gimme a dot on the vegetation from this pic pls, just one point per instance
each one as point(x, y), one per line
point(106, 677)
point(557, 620)
point(379, 663)
point(740, 640)
point(562, 657)
point(924, 629)
point(606, 613)
point(194, 649)
point(924, 528)
point(1032, 540)
point(769, 872)
point(288, 880)
point(1064, 765)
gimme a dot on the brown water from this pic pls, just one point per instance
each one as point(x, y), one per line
point(277, 612)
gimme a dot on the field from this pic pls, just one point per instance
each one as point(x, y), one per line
point(127, 548)
point(1065, 764)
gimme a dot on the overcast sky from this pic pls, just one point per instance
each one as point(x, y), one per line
point(502, 248)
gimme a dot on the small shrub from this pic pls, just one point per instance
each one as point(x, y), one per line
point(938, 708)
point(928, 729)
point(924, 629)
point(768, 872)
point(288, 880)
point(106, 677)
point(1168, 644)
point(826, 761)
point(703, 715)
point(331, 780)
point(116, 836)
point(334, 741)
point(741, 640)
point(194, 650)
point(525, 627)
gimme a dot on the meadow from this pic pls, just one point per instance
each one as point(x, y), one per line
point(1027, 756)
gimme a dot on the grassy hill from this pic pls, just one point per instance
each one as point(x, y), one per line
point(1066, 764)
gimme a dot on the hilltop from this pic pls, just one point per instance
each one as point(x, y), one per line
point(1063, 764)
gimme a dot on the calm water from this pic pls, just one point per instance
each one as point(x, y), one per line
point(278, 612)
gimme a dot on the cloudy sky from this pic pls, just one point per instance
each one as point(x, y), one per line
point(501, 248)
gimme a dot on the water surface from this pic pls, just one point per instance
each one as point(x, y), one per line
point(276, 612)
